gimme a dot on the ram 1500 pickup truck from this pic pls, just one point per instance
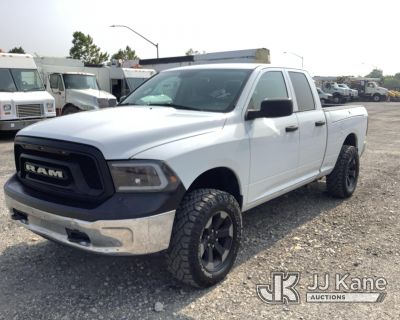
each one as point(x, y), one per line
point(175, 165)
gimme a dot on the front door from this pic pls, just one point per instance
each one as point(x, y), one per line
point(57, 91)
point(274, 142)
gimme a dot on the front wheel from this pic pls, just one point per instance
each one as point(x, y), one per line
point(342, 181)
point(205, 238)
point(376, 98)
point(69, 110)
point(336, 99)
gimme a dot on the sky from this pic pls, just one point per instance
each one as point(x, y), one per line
point(335, 37)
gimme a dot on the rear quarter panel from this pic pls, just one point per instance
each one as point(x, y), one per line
point(343, 121)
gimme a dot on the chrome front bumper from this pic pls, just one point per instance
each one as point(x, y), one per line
point(114, 237)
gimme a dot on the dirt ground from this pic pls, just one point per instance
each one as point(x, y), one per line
point(305, 231)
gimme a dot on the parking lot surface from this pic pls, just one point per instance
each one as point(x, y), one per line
point(305, 231)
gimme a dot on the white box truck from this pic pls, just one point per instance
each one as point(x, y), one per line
point(23, 98)
point(119, 81)
point(73, 89)
point(259, 55)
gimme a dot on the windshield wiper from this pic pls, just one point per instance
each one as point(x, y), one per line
point(173, 105)
point(34, 89)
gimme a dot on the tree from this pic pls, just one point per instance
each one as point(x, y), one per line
point(127, 54)
point(85, 50)
point(375, 73)
point(397, 75)
point(391, 83)
point(192, 52)
point(17, 50)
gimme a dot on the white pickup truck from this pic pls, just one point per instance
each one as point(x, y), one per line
point(174, 167)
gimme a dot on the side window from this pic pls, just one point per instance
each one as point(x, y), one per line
point(55, 82)
point(302, 89)
point(270, 86)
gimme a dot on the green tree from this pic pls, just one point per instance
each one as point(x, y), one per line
point(17, 50)
point(127, 54)
point(375, 73)
point(85, 50)
point(192, 52)
point(397, 75)
point(391, 82)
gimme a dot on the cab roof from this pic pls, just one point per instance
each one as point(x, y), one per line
point(248, 66)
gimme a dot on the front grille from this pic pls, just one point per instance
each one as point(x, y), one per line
point(29, 110)
point(85, 175)
point(105, 103)
point(112, 102)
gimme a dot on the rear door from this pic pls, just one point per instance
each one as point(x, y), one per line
point(312, 126)
point(274, 142)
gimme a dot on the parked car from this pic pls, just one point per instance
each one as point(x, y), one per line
point(177, 164)
point(324, 97)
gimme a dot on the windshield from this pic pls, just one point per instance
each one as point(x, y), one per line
point(80, 81)
point(214, 90)
point(12, 80)
point(133, 83)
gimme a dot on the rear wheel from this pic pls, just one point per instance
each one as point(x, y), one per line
point(205, 237)
point(70, 110)
point(343, 179)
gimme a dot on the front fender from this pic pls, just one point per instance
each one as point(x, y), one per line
point(191, 157)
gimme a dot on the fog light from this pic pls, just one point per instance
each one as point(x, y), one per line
point(7, 107)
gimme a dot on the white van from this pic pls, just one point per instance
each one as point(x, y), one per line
point(23, 98)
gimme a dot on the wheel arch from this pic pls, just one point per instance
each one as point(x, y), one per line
point(69, 104)
point(221, 178)
point(351, 140)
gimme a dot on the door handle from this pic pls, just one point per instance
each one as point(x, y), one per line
point(291, 128)
point(319, 123)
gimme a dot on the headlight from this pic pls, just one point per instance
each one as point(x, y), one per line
point(50, 107)
point(7, 107)
point(142, 175)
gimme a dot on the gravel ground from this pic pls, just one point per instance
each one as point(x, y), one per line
point(305, 231)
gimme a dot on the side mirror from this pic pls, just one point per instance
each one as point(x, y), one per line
point(122, 98)
point(272, 108)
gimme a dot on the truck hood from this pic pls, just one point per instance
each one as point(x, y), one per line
point(382, 90)
point(122, 132)
point(87, 99)
point(91, 93)
point(33, 97)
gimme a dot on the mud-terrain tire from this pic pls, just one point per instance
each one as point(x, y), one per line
point(342, 181)
point(205, 238)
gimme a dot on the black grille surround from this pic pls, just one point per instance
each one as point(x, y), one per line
point(86, 183)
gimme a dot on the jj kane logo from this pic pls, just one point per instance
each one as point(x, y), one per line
point(324, 289)
point(282, 289)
